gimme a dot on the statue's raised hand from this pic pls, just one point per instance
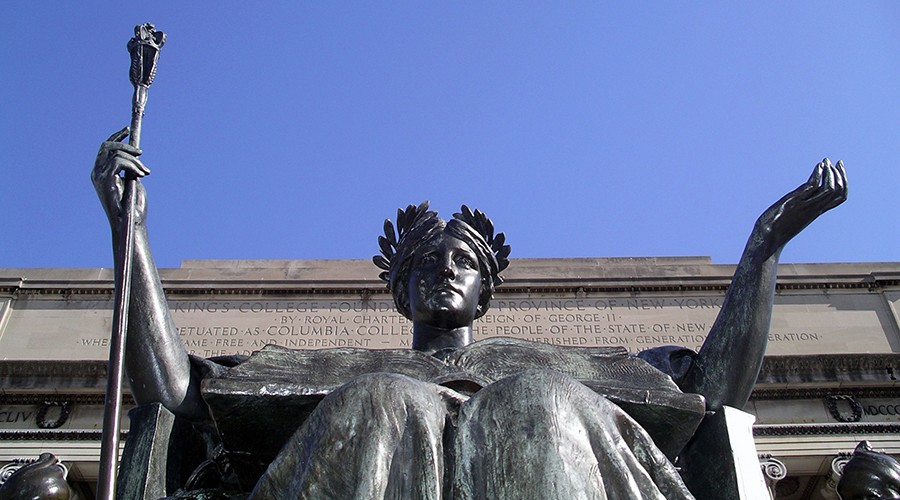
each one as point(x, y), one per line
point(727, 366)
point(116, 160)
point(157, 365)
point(825, 189)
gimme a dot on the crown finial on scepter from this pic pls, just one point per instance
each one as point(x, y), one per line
point(144, 49)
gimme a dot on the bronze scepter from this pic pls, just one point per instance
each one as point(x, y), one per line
point(144, 49)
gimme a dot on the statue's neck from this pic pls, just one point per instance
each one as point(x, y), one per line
point(429, 339)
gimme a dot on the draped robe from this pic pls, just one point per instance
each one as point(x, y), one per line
point(501, 418)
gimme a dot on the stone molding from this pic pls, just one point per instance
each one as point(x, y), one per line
point(92, 399)
point(17, 375)
point(824, 429)
point(293, 288)
point(18, 368)
point(790, 393)
point(313, 277)
point(50, 435)
point(830, 369)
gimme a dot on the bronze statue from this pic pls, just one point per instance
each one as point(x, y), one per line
point(869, 474)
point(535, 433)
point(43, 479)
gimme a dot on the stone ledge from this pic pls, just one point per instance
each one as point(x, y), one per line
point(19, 376)
point(824, 429)
point(829, 369)
point(360, 276)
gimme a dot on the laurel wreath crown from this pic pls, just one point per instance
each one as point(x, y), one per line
point(414, 216)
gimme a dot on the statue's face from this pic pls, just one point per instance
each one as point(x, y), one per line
point(444, 283)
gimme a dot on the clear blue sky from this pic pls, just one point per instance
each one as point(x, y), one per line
point(290, 130)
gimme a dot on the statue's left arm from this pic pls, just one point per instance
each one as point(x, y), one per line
point(726, 368)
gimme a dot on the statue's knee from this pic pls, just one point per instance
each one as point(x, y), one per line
point(389, 392)
point(531, 391)
point(379, 400)
point(541, 378)
point(382, 385)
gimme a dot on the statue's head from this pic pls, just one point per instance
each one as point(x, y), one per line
point(442, 273)
point(869, 474)
point(44, 478)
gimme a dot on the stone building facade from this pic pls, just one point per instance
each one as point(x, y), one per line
point(830, 378)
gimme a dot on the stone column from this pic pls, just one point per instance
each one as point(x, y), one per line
point(773, 471)
point(829, 491)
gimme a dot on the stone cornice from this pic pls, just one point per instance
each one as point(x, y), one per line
point(824, 429)
point(51, 435)
point(32, 376)
point(53, 368)
point(788, 393)
point(574, 286)
point(86, 399)
point(842, 370)
point(309, 277)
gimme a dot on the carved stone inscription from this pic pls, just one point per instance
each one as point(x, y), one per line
point(809, 323)
point(636, 323)
point(217, 327)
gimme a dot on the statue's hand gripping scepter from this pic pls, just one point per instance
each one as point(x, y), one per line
point(144, 50)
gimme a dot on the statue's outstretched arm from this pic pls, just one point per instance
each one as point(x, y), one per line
point(157, 365)
point(727, 365)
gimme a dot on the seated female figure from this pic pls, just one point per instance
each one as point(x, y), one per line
point(534, 434)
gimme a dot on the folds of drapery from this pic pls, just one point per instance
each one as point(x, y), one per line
point(535, 434)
